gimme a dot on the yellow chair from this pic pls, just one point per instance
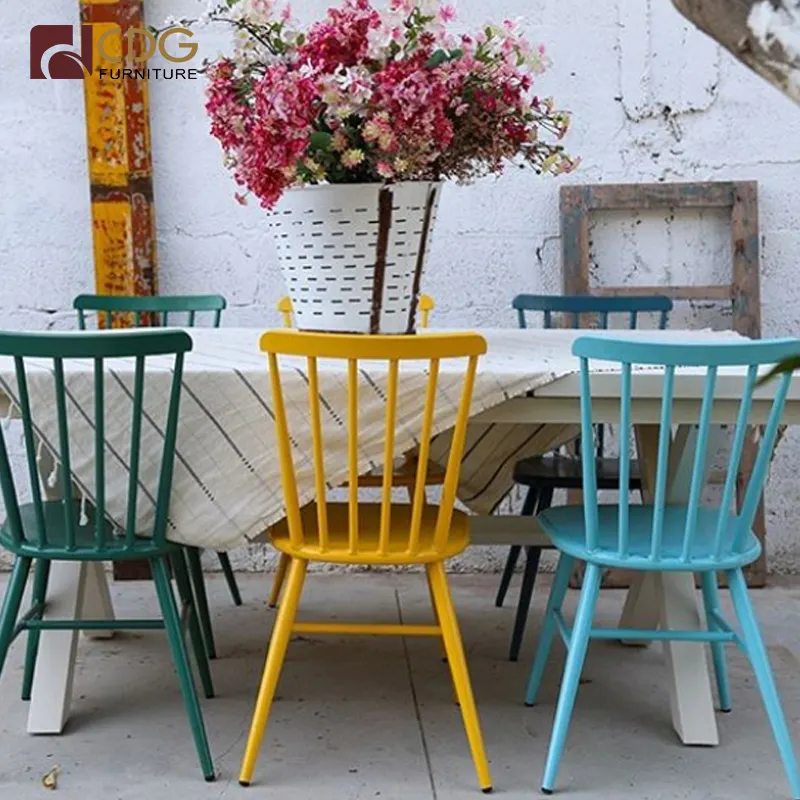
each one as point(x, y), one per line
point(371, 533)
point(404, 476)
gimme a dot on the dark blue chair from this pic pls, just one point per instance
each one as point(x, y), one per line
point(544, 474)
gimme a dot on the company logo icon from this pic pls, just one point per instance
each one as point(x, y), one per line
point(53, 54)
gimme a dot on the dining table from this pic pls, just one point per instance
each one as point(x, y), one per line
point(227, 490)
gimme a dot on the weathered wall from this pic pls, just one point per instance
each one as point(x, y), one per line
point(652, 101)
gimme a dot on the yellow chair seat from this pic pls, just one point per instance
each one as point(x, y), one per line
point(369, 517)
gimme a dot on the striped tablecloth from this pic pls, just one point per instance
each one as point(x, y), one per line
point(227, 482)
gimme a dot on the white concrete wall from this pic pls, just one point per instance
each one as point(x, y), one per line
point(652, 101)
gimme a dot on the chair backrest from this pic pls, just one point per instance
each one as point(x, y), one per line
point(353, 351)
point(286, 310)
point(150, 310)
point(574, 310)
point(43, 390)
point(577, 309)
point(730, 529)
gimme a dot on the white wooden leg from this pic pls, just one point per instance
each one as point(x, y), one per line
point(97, 598)
point(55, 665)
point(690, 697)
point(670, 600)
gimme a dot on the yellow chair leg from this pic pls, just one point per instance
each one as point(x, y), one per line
point(277, 583)
point(436, 616)
point(272, 669)
point(458, 667)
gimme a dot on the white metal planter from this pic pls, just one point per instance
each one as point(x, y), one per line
point(353, 255)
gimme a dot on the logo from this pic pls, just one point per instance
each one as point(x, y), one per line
point(53, 54)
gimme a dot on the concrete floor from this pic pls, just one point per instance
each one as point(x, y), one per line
point(366, 718)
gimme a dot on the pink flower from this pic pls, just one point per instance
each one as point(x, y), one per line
point(384, 169)
point(447, 13)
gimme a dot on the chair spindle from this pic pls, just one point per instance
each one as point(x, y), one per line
point(388, 456)
point(662, 469)
point(318, 453)
point(352, 452)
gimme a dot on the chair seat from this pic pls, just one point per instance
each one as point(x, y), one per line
point(566, 528)
point(565, 472)
point(369, 516)
point(114, 547)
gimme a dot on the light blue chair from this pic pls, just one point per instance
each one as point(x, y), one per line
point(662, 537)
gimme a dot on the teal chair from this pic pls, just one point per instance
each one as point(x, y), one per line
point(145, 312)
point(659, 537)
point(69, 529)
point(543, 475)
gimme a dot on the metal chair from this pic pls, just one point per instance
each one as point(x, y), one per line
point(140, 312)
point(544, 474)
point(660, 536)
point(403, 476)
point(370, 533)
point(71, 529)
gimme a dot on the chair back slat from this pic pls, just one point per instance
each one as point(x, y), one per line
point(53, 423)
point(623, 531)
point(319, 451)
point(64, 452)
point(99, 454)
point(352, 453)
point(758, 476)
point(388, 456)
point(286, 310)
point(699, 466)
point(725, 531)
point(386, 355)
point(29, 436)
point(135, 450)
point(144, 310)
point(418, 499)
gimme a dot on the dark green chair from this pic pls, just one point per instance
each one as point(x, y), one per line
point(146, 312)
point(42, 531)
point(543, 475)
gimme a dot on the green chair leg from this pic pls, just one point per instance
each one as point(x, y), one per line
point(11, 605)
point(230, 578)
point(172, 624)
point(41, 575)
point(196, 635)
point(201, 598)
point(711, 603)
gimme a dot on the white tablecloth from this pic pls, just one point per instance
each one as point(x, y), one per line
point(226, 487)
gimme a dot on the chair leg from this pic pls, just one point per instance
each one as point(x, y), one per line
point(757, 652)
point(576, 653)
point(711, 603)
point(41, 575)
point(436, 615)
point(458, 667)
point(277, 582)
point(172, 624)
point(532, 556)
point(187, 602)
point(279, 641)
point(230, 578)
point(554, 602)
point(514, 551)
point(11, 605)
point(201, 598)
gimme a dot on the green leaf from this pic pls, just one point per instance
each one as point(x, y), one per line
point(320, 140)
point(439, 57)
point(790, 365)
point(457, 53)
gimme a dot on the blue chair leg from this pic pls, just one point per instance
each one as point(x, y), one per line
point(554, 603)
point(711, 602)
point(576, 653)
point(528, 507)
point(532, 556)
point(757, 652)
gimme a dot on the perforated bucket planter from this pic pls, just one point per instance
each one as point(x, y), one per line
point(353, 254)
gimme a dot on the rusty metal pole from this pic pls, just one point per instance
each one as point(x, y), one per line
point(120, 169)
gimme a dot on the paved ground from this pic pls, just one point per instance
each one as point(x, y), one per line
point(366, 718)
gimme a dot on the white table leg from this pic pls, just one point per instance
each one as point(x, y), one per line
point(691, 699)
point(97, 598)
point(55, 666)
